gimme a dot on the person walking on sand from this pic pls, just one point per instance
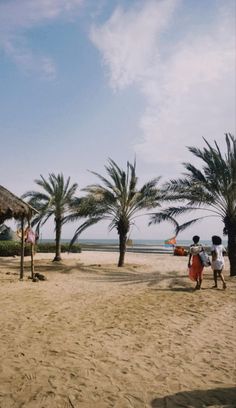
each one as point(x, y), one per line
point(194, 262)
point(218, 251)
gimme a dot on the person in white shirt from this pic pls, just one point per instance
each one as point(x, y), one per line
point(218, 251)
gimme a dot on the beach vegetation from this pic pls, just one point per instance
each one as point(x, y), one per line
point(117, 199)
point(54, 200)
point(13, 248)
point(50, 247)
point(211, 188)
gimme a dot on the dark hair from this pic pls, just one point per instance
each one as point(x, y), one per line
point(196, 239)
point(216, 240)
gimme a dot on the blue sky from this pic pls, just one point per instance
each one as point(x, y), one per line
point(84, 80)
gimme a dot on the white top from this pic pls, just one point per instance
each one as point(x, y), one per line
point(219, 262)
point(195, 249)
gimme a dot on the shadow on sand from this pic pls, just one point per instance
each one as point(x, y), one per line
point(155, 280)
point(132, 277)
point(214, 398)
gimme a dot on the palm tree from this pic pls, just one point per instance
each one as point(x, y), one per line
point(118, 200)
point(55, 200)
point(213, 189)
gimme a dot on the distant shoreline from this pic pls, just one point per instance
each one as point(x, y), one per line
point(137, 246)
point(135, 242)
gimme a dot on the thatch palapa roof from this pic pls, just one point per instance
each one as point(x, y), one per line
point(12, 206)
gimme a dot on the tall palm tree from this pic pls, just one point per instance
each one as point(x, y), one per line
point(212, 188)
point(118, 200)
point(55, 200)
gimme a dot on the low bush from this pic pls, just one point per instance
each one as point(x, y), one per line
point(51, 247)
point(13, 248)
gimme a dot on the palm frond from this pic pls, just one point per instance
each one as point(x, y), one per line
point(83, 227)
point(117, 198)
point(212, 188)
point(188, 224)
point(35, 196)
point(157, 218)
point(56, 199)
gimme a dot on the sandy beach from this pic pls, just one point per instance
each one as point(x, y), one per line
point(97, 336)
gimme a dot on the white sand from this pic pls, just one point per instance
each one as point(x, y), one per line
point(97, 336)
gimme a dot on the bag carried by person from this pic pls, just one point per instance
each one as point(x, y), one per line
point(205, 259)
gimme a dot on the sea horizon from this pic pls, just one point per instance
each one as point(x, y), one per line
point(135, 242)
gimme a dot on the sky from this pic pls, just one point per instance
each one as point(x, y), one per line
point(82, 81)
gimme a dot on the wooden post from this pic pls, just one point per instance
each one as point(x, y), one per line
point(31, 252)
point(22, 249)
point(32, 261)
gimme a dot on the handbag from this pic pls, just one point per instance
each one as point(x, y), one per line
point(205, 259)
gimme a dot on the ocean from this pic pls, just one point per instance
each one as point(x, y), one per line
point(137, 245)
point(136, 242)
point(145, 242)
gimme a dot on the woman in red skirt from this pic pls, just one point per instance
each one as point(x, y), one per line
point(194, 262)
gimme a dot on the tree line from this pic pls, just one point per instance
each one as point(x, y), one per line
point(117, 198)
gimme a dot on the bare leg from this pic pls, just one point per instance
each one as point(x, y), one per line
point(215, 279)
point(220, 273)
point(198, 285)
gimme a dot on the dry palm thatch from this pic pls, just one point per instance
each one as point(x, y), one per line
point(12, 206)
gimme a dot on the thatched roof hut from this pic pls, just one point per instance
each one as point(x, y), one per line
point(12, 206)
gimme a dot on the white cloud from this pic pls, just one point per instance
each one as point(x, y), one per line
point(197, 88)
point(128, 41)
point(24, 58)
point(18, 16)
point(188, 83)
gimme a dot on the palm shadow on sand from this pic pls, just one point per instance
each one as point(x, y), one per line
point(155, 280)
point(172, 281)
point(214, 398)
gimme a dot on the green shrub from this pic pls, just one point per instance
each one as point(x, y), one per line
point(13, 248)
point(51, 247)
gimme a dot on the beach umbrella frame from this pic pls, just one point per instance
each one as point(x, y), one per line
point(12, 206)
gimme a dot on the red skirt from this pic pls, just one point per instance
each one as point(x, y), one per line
point(195, 270)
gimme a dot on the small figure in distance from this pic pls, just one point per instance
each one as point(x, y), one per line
point(218, 251)
point(195, 267)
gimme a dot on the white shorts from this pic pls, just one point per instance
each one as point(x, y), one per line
point(217, 265)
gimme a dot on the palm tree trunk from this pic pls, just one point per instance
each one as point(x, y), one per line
point(58, 240)
point(232, 248)
point(122, 247)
